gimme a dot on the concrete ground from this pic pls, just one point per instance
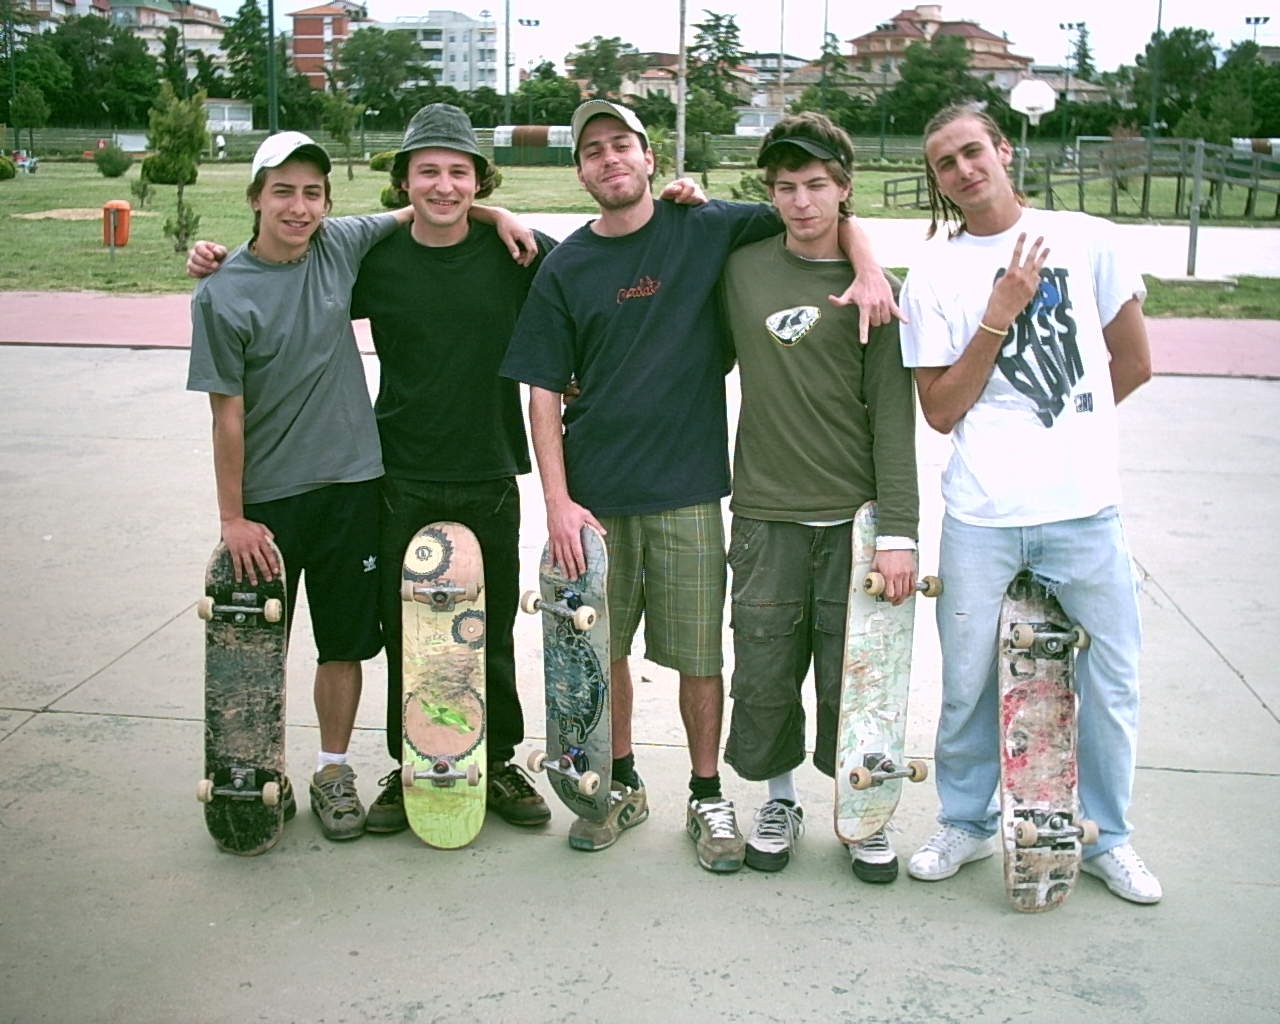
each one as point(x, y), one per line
point(115, 906)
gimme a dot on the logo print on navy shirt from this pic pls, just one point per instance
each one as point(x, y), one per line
point(1040, 356)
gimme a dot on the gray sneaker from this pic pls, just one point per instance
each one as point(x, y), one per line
point(714, 830)
point(335, 802)
point(627, 808)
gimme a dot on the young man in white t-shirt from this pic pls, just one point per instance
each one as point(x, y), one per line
point(1025, 329)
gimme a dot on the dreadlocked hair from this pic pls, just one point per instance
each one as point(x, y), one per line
point(941, 209)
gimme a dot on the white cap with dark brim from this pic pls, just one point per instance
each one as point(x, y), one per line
point(597, 108)
point(276, 149)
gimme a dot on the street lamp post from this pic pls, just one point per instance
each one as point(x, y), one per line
point(1253, 21)
point(1155, 70)
point(506, 60)
point(1071, 28)
point(273, 114)
point(885, 66)
point(13, 71)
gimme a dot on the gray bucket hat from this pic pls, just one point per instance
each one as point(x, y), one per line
point(440, 125)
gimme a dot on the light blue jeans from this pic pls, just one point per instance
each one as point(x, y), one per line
point(1085, 563)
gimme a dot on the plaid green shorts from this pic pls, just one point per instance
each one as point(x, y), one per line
point(669, 567)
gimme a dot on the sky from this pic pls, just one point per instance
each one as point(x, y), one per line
point(1118, 29)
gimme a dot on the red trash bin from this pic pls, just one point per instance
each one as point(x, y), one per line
point(115, 222)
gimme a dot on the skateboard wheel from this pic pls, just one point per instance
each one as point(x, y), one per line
point(589, 784)
point(931, 586)
point(473, 774)
point(273, 610)
point(406, 590)
point(860, 778)
point(1088, 831)
point(204, 608)
point(917, 771)
point(530, 601)
point(584, 618)
point(537, 761)
point(1024, 635)
point(204, 790)
point(1025, 833)
point(408, 776)
point(873, 584)
point(271, 794)
point(1080, 639)
point(471, 591)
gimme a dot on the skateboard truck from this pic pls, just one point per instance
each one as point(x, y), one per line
point(876, 769)
point(1048, 640)
point(570, 606)
point(441, 597)
point(588, 783)
point(873, 585)
point(441, 773)
point(242, 785)
point(272, 609)
point(1040, 828)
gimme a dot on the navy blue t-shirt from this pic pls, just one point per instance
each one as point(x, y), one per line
point(635, 320)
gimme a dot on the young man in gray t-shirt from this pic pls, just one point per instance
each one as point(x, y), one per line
point(295, 444)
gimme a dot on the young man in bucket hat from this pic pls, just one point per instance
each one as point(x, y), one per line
point(442, 295)
point(626, 307)
point(277, 356)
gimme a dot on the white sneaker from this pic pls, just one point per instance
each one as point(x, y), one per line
point(946, 851)
point(1125, 874)
point(874, 859)
point(779, 824)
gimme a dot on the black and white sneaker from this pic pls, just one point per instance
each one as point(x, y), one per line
point(779, 824)
point(874, 859)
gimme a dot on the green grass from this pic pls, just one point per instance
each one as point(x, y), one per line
point(60, 254)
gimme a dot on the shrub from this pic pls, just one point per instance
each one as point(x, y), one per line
point(382, 161)
point(8, 169)
point(393, 198)
point(164, 170)
point(112, 161)
point(141, 191)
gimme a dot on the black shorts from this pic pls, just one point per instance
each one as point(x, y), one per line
point(330, 536)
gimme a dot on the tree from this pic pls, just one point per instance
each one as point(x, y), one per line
point(546, 98)
point(29, 111)
point(931, 76)
point(173, 60)
point(655, 110)
point(373, 66)
point(483, 105)
point(339, 118)
point(177, 137)
point(714, 57)
point(1183, 62)
point(208, 75)
point(245, 44)
point(603, 63)
point(299, 106)
point(113, 77)
point(851, 111)
point(704, 112)
point(1082, 56)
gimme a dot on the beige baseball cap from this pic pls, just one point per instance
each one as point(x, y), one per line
point(597, 108)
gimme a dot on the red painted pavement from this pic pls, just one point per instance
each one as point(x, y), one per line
point(1210, 348)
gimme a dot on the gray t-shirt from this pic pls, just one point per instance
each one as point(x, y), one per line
point(280, 335)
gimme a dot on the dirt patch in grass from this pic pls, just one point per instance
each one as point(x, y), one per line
point(73, 213)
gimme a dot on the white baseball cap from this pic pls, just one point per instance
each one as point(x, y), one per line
point(276, 149)
point(596, 108)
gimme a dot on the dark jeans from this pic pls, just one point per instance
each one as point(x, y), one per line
point(491, 510)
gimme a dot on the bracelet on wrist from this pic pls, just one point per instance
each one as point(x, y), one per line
point(984, 326)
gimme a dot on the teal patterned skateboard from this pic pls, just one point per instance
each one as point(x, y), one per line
point(873, 694)
point(575, 660)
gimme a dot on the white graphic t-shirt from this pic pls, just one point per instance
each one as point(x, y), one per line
point(1039, 445)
